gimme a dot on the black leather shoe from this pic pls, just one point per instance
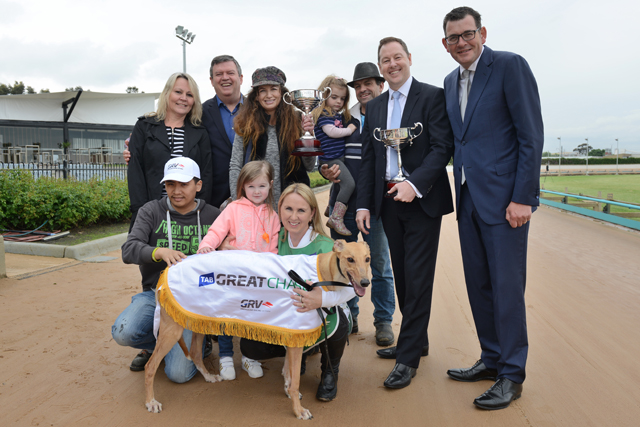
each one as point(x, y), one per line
point(138, 362)
point(354, 324)
point(475, 373)
point(400, 377)
point(328, 387)
point(500, 395)
point(390, 353)
point(384, 335)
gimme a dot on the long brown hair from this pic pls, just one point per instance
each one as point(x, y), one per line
point(251, 123)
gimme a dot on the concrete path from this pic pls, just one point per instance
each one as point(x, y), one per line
point(60, 367)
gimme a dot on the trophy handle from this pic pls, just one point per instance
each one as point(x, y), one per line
point(415, 125)
point(326, 89)
point(374, 134)
point(284, 98)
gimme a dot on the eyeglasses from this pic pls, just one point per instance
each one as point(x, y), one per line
point(466, 36)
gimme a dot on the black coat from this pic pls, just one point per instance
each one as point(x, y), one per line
point(150, 150)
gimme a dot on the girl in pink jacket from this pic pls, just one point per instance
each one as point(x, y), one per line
point(252, 225)
point(250, 221)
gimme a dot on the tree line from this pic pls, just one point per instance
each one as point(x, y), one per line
point(19, 88)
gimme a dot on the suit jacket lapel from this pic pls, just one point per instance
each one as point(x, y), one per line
point(480, 79)
point(214, 110)
point(159, 131)
point(452, 92)
point(412, 98)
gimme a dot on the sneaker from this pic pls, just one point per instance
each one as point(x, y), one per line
point(252, 367)
point(139, 361)
point(227, 370)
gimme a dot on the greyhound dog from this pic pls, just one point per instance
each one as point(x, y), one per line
point(348, 263)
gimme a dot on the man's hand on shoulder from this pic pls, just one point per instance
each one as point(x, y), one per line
point(330, 173)
point(518, 214)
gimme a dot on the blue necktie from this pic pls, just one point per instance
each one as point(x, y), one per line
point(396, 116)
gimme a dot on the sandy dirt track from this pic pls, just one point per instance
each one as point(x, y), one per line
point(60, 367)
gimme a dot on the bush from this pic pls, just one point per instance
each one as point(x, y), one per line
point(26, 203)
point(316, 179)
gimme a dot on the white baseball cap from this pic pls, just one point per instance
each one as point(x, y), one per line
point(181, 169)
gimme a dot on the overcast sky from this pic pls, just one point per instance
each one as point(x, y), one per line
point(584, 54)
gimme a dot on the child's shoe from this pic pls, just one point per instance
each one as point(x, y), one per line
point(252, 367)
point(336, 220)
point(227, 370)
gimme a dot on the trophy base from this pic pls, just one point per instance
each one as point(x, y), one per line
point(307, 148)
point(390, 185)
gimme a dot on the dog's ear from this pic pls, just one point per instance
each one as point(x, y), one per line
point(366, 245)
point(339, 244)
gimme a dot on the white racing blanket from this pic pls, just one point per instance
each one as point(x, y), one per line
point(241, 293)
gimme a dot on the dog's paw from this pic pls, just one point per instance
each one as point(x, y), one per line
point(154, 406)
point(212, 378)
point(305, 414)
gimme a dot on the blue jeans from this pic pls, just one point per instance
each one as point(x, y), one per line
point(382, 292)
point(225, 346)
point(134, 328)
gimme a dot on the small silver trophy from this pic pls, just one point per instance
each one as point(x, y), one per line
point(398, 139)
point(306, 100)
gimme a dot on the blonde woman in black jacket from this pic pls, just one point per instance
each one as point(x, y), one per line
point(174, 130)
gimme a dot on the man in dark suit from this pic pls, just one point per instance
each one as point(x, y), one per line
point(217, 117)
point(411, 217)
point(494, 109)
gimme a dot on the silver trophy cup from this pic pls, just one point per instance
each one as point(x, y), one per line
point(306, 100)
point(398, 139)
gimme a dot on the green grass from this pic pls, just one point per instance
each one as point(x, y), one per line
point(90, 233)
point(625, 188)
point(316, 179)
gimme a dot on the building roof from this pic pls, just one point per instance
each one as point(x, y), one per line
point(92, 107)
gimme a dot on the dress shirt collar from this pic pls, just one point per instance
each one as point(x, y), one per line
point(221, 103)
point(404, 89)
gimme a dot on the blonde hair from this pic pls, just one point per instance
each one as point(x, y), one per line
point(306, 193)
point(195, 115)
point(322, 110)
point(252, 171)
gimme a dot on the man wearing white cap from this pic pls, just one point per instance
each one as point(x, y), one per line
point(165, 232)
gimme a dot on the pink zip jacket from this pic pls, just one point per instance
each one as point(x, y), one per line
point(246, 223)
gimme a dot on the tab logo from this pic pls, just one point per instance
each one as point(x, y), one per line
point(207, 279)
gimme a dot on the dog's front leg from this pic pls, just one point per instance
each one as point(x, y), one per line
point(168, 335)
point(293, 362)
point(196, 356)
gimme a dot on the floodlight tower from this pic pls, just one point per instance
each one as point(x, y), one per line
point(186, 37)
point(587, 139)
point(560, 156)
point(617, 154)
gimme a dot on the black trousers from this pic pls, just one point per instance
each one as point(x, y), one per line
point(336, 343)
point(413, 243)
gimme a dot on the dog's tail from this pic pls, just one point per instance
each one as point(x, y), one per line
point(184, 348)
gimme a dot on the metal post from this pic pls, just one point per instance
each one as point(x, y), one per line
point(587, 139)
point(560, 157)
point(617, 154)
point(184, 57)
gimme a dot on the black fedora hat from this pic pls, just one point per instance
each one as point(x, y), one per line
point(366, 70)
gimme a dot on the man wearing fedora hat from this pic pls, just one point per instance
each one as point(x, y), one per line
point(368, 83)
